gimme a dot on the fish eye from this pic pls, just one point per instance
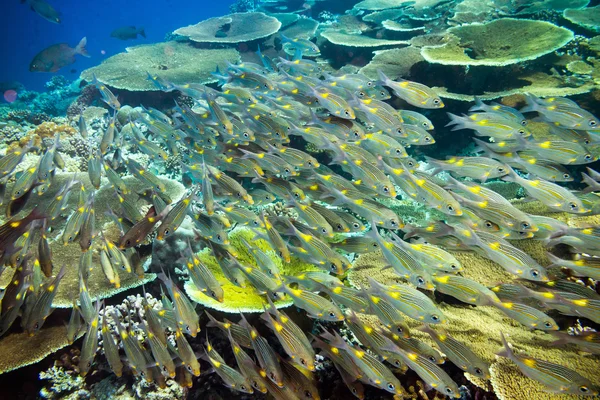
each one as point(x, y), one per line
point(167, 231)
point(525, 224)
point(277, 134)
point(187, 328)
point(333, 267)
point(370, 83)
point(427, 138)
point(302, 361)
point(331, 314)
point(324, 231)
point(399, 131)
point(164, 368)
point(478, 371)
point(449, 390)
point(375, 245)
point(425, 125)
point(488, 224)
point(287, 171)
point(432, 359)
point(36, 326)
point(128, 242)
point(435, 318)
point(188, 367)
point(450, 207)
point(420, 281)
point(213, 294)
point(239, 194)
point(547, 324)
point(354, 391)
point(246, 135)
point(272, 376)
point(521, 131)
point(346, 112)
point(398, 151)
point(573, 206)
point(386, 189)
point(584, 389)
point(219, 237)
point(501, 169)
point(436, 101)
point(308, 394)
point(588, 157)
point(535, 273)
point(566, 176)
point(297, 195)
point(592, 122)
point(391, 386)
point(397, 363)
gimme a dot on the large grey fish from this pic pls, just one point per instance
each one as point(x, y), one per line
point(57, 56)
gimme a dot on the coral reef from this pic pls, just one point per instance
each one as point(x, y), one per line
point(232, 28)
point(176, 62)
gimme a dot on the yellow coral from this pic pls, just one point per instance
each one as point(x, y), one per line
point(238, 299)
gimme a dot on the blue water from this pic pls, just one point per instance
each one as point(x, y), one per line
point(24, 33)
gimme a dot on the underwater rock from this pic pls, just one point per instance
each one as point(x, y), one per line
point(244, 27)
point(177, 62)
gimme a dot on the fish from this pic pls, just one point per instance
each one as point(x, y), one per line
point(316, 306)
point(305, 46)
point(42, 306)
point(389, 315)
point(239, 333)
point(551, 194)
point(82, 127)
point(25, 181)
point(414, 118)
point(14, 228)
point(489, 124)
point(415, 94)
point(133, 349)
point(173, 219)
point(528, 316)
point(459, 353)
point(46, 164)
point(409, 301)
point(145, 176)
point(138, 232)
point(89, 347)
point(480, 168)
point(554, 377)
point(204, 279)
point(232, 378)
point(376, 373)
point(266, 356)
point(13, 158)
point(465, 290)
point(74, 326)
point(160, 352)
point(505, 111)
point(292, 338)
point(44, 10)
point(184, 309)
point(562, 113)
point(128, 32)
point(112, 275)
point(111, 350)
point(57, 56)
point(247, 366)
point(107, 96)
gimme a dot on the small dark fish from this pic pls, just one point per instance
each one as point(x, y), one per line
point(13, 228)
point(57, 56)
point(44, 10)
point(44, 253)
point(128, 32)
point(138, 232)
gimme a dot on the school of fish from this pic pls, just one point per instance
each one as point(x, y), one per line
point(248, 134)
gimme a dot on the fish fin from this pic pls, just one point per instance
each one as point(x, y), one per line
point(507, 350)
point(479, 105)
point(142, 32)
point(80, 49)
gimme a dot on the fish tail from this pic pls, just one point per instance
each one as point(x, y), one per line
point(81, 49)
point(383, 79)
point(437, 168)
point(532, 104)
point(142, 32)
point(456, 122)
point(512, 175)
point(589, 181)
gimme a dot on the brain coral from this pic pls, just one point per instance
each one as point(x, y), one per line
point(501, 42)
point(176, 62)
point(232, 28)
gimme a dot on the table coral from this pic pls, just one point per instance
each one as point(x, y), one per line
point(232, 28)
